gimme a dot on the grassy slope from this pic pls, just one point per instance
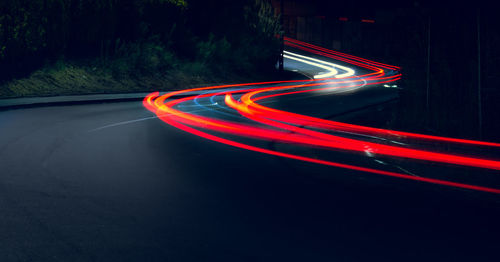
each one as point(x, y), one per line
point(77, 79)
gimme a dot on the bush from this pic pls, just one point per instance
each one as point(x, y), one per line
point(142, 58)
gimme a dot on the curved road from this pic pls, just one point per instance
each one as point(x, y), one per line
point(111, 182)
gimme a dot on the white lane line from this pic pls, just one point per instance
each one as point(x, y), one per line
point(139, 120)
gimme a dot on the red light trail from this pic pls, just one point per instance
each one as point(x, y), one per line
point(258, 122)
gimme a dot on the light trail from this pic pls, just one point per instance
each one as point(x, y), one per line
point(331, 70)
point(349, 71)
point(261, 123)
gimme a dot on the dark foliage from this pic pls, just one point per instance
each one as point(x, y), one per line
point(34, 32)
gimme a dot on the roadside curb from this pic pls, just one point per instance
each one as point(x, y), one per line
point(20, 103)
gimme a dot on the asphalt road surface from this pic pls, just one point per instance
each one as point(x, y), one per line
point(111, 182)
point(144, 191)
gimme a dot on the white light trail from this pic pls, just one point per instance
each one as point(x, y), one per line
point(321, 64)
point(331, 73)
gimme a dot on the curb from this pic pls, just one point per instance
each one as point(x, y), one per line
point(21, 103)
point(31, 102)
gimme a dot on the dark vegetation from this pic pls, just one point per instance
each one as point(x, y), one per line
point(52, 47)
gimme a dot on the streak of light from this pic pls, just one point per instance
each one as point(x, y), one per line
point(331, 70)
point(269, 124)
point(349, 71)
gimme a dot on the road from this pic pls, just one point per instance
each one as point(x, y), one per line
point(112, 182)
